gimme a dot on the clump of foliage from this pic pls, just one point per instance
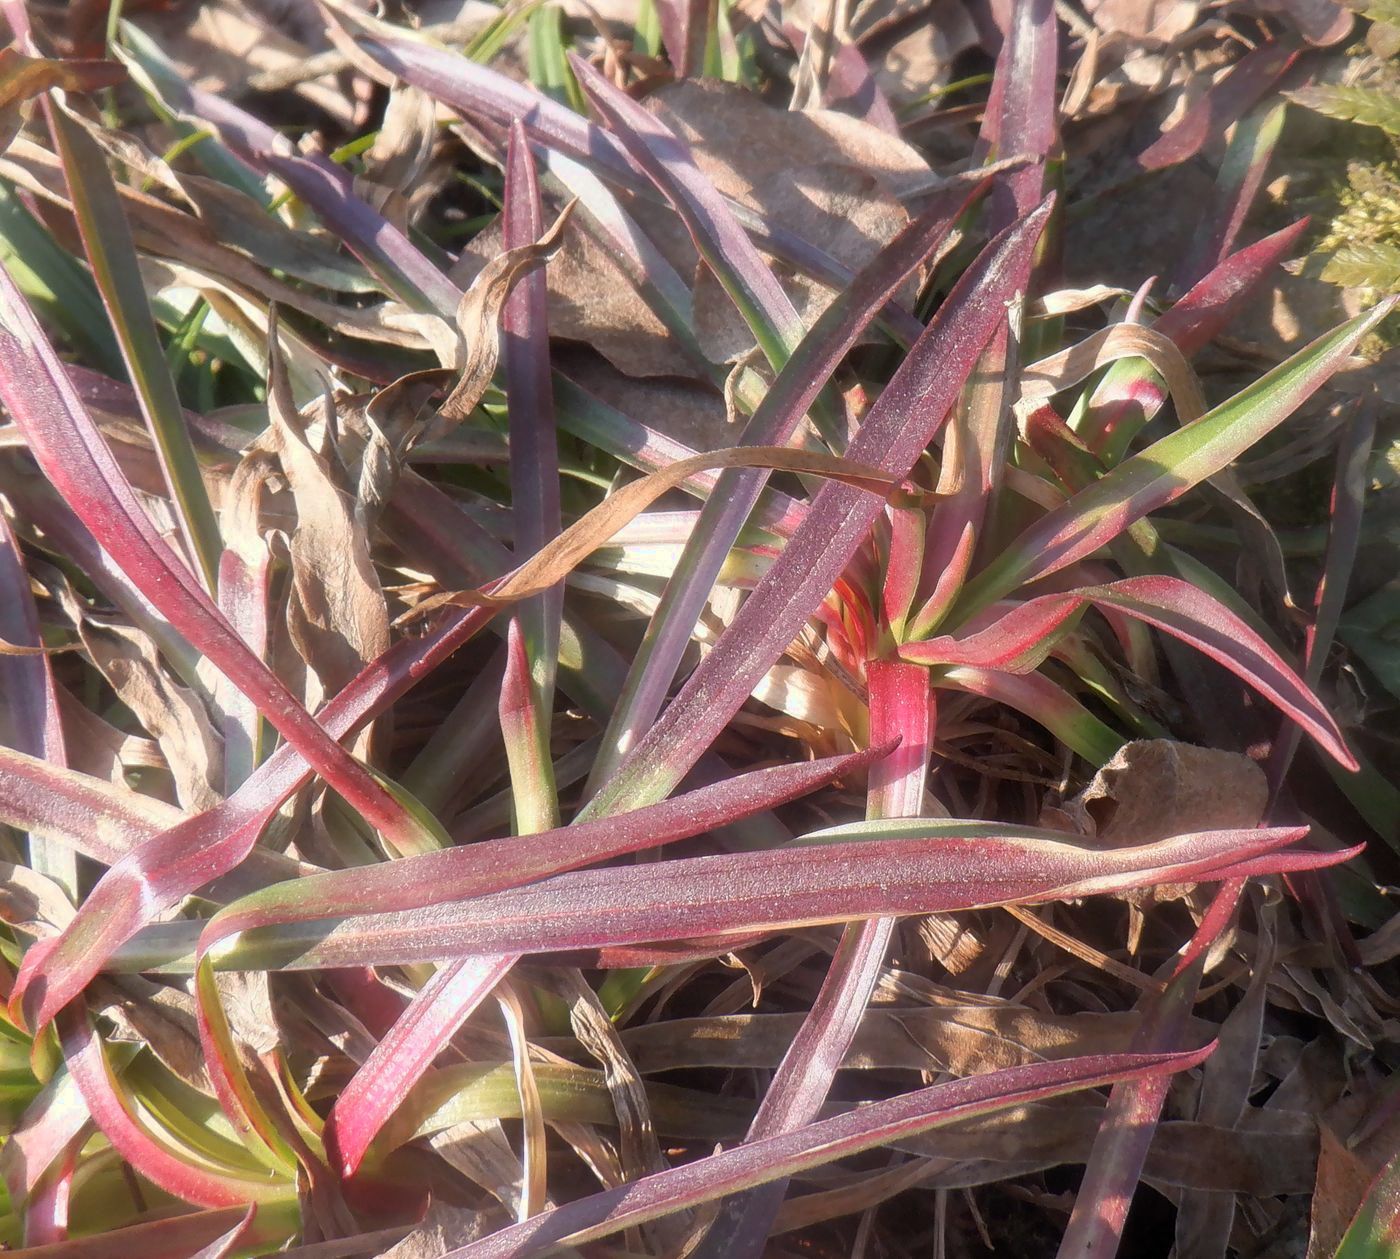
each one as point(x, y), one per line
point(591, 662)
point(1361, 245)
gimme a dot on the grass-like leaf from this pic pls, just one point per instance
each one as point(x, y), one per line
point(107, 239)
point(1018, 641)
point(1168, 468)
point(900, 425)
point(813, 1146)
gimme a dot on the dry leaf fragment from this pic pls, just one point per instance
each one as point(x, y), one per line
point(479, 316)
point(1154, 788)
point(846, 209)
point(337, 616)
point(1156, 21)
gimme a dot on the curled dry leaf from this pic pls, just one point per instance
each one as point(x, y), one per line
point(337, 615)
point(1321, 22)
point(399, 156)
point(1158, 787)
point(1155, 21)
point(479, 316)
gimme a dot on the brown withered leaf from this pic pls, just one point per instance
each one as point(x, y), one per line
point(22, 78)
point(690, 412)
point(740, 142)
point(1321, 22)
point(958, 1034)
point(592, 300)
point(32, 902)
point(844, 208)
point(444, 1228)
point(163, 1018)
point(174, 716)
point(1154, 788)
point(919, 54)
point(220, 44)
point(1343, 1176)
point(832, 179)
point(479, 316)
point(1156, 21)
point(98, 748)
point(337, 614)
point(391, 180)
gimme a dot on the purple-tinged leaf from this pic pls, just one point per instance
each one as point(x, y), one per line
point(83, 1053)
point(1238, 182)
point(1167, 469)
point(898, 428)
point(66, 443)
point(385, 250)
point(225, 1245)
point(171, 1237)
point(397, 1062)
point(851, 88)
point(29, 720)
point(202, 848)
point(527, 704)
point(1131, 392)
point(525, 728)
point(40, 508)
point(476, 91)
point(740, 893)
point(736, 492)
point(1043, 701)
point(1374, 1231)
point(815, 1145)
point(106, 237)
point(1223, 104)
point(900, 713)
point(1126, 1130)
point(684, 24)
point(1343, 541)
point(457, 874)
point(1021, 114)
point(1018, 641)
point(105, 822)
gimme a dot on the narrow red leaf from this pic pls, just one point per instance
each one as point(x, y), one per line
point(773, 890)
point(397, 1062)
point(1018, 641)
point(814, 1146)
point(82, 1051)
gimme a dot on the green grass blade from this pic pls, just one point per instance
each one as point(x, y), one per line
point(107, 240)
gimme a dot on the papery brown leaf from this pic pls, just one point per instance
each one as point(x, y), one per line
point(337, 614)
point(1157, 787)
point(555, 561)
point(395, 164)
point(844, 207)
point(175, 716)
point(22, 78)
point(479, 316)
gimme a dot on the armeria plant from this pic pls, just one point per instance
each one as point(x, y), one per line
point(258, 495)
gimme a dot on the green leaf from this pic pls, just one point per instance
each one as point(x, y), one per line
point(107, 241)
point(1370, 106)
point(1168, 468)
point(1365, 264)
